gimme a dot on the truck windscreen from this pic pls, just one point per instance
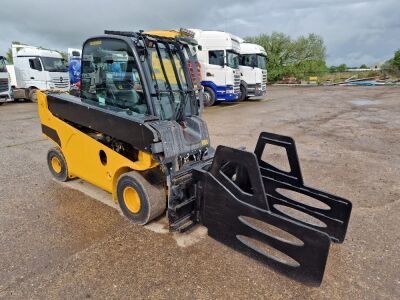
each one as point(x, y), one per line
point(3, 65)
point(261, 62)
point(248, 60)
point(53, 64)
point(232, 59)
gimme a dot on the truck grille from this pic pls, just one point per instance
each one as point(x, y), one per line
point(264, 80)
point(236, 82)
point(60, 84)
point(3, 85)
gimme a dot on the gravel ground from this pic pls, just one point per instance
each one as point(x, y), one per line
point(60, 241)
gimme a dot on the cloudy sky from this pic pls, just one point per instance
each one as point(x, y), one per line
point(355, 31)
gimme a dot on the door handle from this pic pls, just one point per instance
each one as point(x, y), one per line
point(209, 74)
point(32, 77)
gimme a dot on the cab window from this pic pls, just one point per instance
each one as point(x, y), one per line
point(110, 76)
point(216, 57)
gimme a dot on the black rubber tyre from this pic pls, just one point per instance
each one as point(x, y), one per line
point(151, 197)
point(33, 95)
point(57, 164)
point(243, 93)
point(1, 103)
point(210, 97)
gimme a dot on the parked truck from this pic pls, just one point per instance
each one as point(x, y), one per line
point(38, 69)
point(4, 82)
point(253, 71)
point(218, 54)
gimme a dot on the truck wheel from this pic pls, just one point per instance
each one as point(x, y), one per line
point(243, 93)
point(33, 95)
point(57, 164)
point(209, 97)
point(140, 201)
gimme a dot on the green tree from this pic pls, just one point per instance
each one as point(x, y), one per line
point(392, 66)
point(396, 59)
point(332, 69)
point(341, 68)
point(363, 66)
point(288, 57)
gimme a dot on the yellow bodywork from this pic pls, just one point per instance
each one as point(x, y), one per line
point(82, 153)
point(165, 33)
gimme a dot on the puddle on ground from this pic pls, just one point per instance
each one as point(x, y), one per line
point(363, 102)
point(159, 225)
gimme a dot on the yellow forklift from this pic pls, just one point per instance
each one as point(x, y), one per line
point(134, 130)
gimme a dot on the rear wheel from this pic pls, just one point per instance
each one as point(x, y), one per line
point(140, 201)
point(33, 95)
point(57, 164)
point(209, 96)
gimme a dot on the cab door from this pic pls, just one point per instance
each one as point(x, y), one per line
point(215, 70)
point(34, 74)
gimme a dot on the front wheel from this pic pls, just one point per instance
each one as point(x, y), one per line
point(209, 97)
point(243, 93)
point(33, 95)
point(140, 201)
point(57, 164)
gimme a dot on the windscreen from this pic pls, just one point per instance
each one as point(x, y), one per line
point(248, 60)
point(111, 78)
point(261, 62)
point(53, 64)
point(167, 61)
point(232, 59)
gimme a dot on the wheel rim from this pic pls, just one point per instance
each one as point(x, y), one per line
point(207, 98)
point(56, 164)
point(132, 199)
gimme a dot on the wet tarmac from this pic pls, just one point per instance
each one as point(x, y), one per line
point(69, 241)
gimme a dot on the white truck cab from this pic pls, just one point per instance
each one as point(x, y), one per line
point(218, 54)
point(253, 70)
point(38, 69)
point(4, 82)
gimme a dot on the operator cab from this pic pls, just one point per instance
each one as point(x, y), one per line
point(147, 79)
point(141, 75)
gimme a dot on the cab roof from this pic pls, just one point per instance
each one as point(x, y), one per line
point(250, 48)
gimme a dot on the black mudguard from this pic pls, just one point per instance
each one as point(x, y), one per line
point(240, 205)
